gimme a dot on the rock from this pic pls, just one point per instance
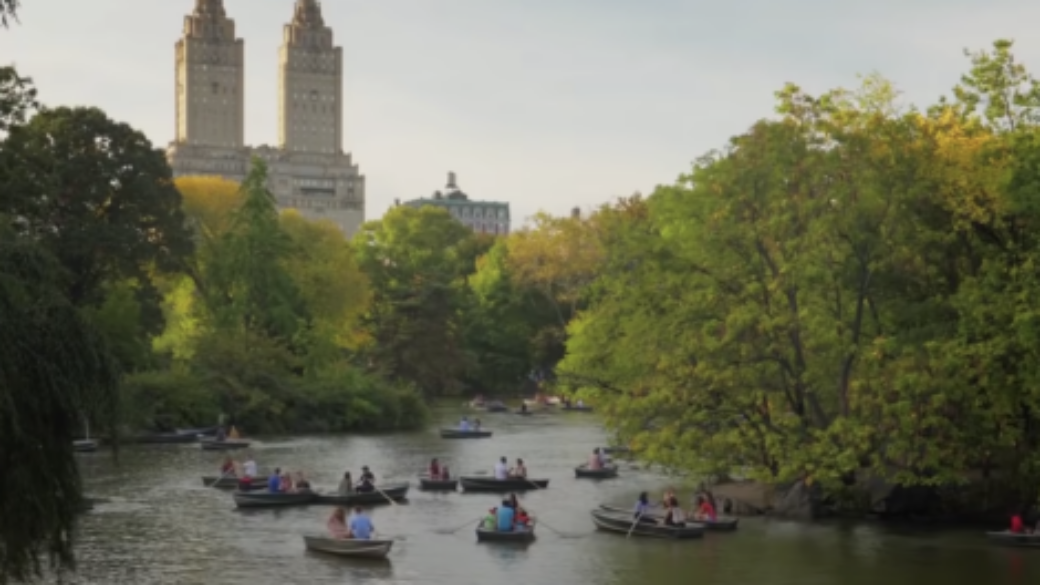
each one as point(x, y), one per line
point(799, 502)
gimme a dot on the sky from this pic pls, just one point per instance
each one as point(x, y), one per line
point(545, 104)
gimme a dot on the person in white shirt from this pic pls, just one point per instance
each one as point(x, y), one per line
point(501, 469)
point(249, 467)
point(595, 461)
point(464, 425)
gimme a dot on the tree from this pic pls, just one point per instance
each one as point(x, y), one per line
point(8, 11)
point(99, 197)
point(1009, 97)
point(17, 98)
point(413, 259)
point(55, 369)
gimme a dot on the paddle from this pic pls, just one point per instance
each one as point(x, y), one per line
point(216, 481)
point(382, 493)
point(559, 533)
point(634, 524)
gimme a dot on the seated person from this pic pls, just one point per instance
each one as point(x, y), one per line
point(520, 470)
point(435, 469)
point(346, 485)
point(595, 462)
point(274, 482)
point(366, 486)
point(361, 526)
point(523, 521)
point(490, 521)
point(337, 524)
point(1017, 526)
point(301, 482)
point(505, 517)
point(228, 468)
point(445, 474)
point(674, 515)
point(705, 511)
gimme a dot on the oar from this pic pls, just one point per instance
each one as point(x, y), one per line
point(559, 533)
point(638, 518)
point(454, 530)
point(382, 493)
point(216, 481)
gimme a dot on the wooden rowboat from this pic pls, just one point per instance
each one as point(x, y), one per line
point(460, 434)
point(513, 484)
point(225, 445)
point(260, 499)
point(434, 485)
point(622, 524)
point(1012, 539)
point(720, 524)
point(230, 482)
point(523, 536)
point(349, 547)
point(396, 491)
point(604, 473)
point(85, 446)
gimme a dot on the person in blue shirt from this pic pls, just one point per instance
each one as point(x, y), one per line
point(464, 424)
point(642, 507)
point(506, 516)
point(361, 526)
point(274, 481)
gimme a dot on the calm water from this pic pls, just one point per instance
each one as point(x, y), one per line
point(163, 527)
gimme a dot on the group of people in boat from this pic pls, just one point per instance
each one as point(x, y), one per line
point(366, 482)
point(598, 460)
point(285, 482)
point(703, 509)
point(245, 470)
point(508, 517)
point(438, 472)
point(503, 471)
point(466, 425)
point(358, 526)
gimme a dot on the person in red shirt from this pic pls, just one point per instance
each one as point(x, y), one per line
point(705, 511)
point(435, 469)
point(1017, 527)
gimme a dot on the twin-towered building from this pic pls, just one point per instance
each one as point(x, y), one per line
point(308, 169)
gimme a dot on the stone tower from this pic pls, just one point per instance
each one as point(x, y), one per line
point(310, 84)
point(210, 75)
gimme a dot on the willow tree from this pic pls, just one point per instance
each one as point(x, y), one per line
point(54, 372)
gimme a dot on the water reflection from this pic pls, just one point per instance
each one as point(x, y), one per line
point(161, 526)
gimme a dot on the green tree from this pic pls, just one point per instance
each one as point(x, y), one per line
point(414, 260)
point(100, 198)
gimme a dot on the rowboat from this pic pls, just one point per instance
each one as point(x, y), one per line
point(163, 438)
point(258, 499)
point(604, 473)
point(396, 491)
point(228, 482)
point(720, 524)
point(348, 547)
point(575, 408)
point(195, 432)
point(524, 536)
point(85, 446)
point(623, 524)
point(433, 485)
point(472, 483)
point(1013, 539)
point(225, 445)
point(460, 434)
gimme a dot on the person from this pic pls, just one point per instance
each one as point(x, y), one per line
point(594, 461)
point(337, 524)
point(668, 495)
point(464, 424)
point(445, 474)
point(365, 484)
point(301, 481)
point(366, 473)
point(642, 506)
point(491, 520)
point(581, 403)
point(673, 513)
point(234, 433)
point(523, 407)
point(602, 457)
point(435, 469)
point(286, 483)
point(515, 503)
point(519, 470)
point(274, 482)
point(501, 469)
point(361, 526)
point(476, 424)
point(221, 434)
point(1017, 526)
point(228, 468)
point(523, 521)
point(705, 509)
point(249, 467)
point(506, 516)
point(346, 485)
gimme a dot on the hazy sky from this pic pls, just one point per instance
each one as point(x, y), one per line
point(546, 104)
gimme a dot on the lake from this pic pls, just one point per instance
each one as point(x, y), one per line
point(162, 526)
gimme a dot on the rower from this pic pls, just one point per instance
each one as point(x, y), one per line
point(595, 461)
point(506, 516)
point(249, 467)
